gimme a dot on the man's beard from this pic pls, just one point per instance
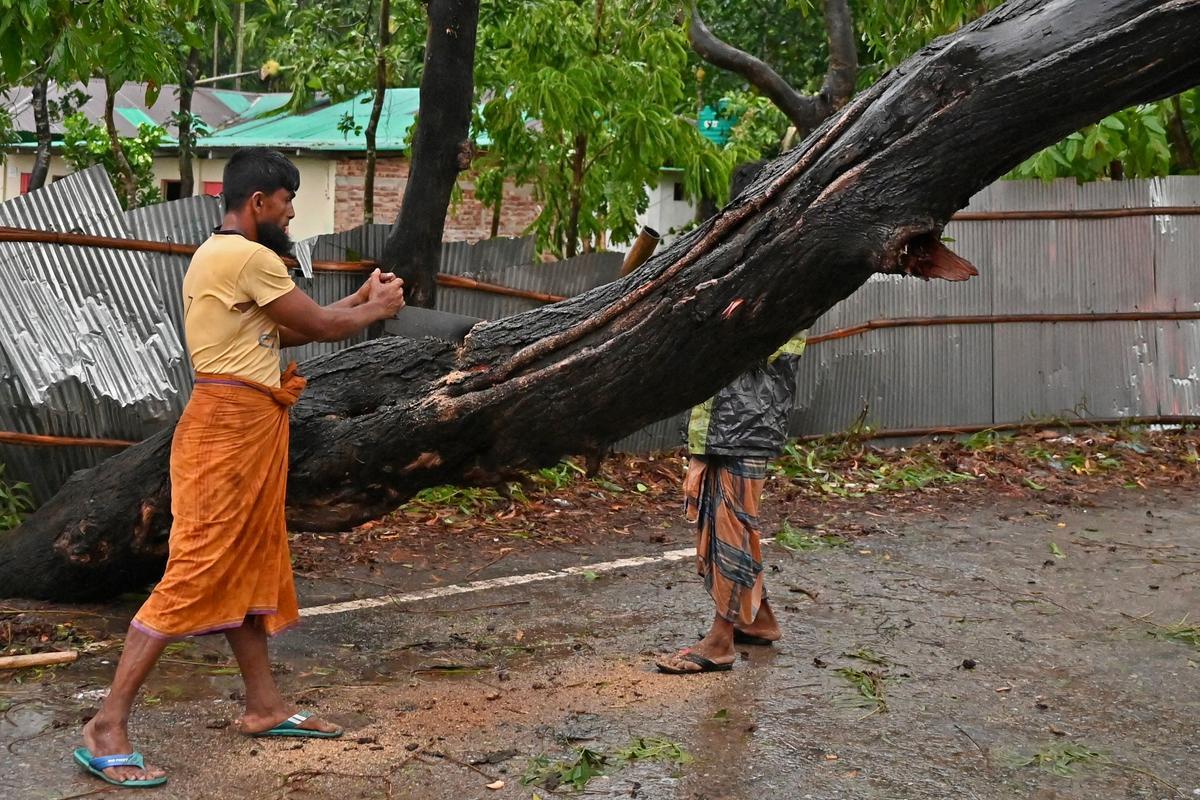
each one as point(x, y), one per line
point(272, 236)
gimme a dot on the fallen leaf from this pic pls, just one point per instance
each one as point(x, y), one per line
point(496, 785)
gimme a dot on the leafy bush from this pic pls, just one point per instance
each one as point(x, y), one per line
point(15, 501)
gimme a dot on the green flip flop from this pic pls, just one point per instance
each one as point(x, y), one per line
point(291, 727)
point(97, 764)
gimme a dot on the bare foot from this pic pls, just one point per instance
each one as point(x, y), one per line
point(109, 739)
point(257, 723)
point(717, 650)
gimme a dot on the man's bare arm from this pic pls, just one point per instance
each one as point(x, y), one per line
point(302, 320)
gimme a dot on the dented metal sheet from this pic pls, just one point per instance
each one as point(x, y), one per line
point(982, 374)
point(87, 347)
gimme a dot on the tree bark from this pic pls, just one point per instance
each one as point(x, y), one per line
point(239, 45)
point(1181, 143)
point(41, 122)
point(870, 191)
point(414, 245)
point(494, 231)
point(576, 198)
point(381, 84)
point(125, 172)
point(187, 87)
point(804, 111)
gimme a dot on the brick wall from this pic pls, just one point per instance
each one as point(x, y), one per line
point(470, 220)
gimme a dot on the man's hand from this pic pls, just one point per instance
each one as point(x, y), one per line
point(386, 293)
point(364, 292)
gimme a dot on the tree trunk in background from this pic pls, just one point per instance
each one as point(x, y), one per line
point(125, 174)
point(41, 121)
point(804, 111)
point(440, 148)
point(187, 87)
point(381, 84)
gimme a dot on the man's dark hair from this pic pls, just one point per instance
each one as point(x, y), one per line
point(257, 169)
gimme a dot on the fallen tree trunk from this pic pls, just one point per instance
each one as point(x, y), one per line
point(869, 191)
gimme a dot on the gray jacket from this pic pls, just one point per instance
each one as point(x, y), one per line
point(749, 417)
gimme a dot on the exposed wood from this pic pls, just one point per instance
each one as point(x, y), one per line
point(38, 660)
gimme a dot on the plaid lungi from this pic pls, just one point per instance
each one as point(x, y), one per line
point(721, 495)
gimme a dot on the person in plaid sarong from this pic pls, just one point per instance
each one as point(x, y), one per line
point(730, 439)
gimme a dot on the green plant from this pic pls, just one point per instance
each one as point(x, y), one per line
point(560, 475)
point(796, 539)
point(654, 748)
point(869, 685)
point(1133, 143)
point(844, 468)
point(586, 763)
point(985, 440)
point(464, 499)
point(1061, 758)
point(15, 501)
point(86, 144)
point(1180, 632)
point(576, 772)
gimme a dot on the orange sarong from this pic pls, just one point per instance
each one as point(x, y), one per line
point(229, 554)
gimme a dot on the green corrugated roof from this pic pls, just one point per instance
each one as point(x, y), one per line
point(317, 128)
point(238, 102)
point(137, 117)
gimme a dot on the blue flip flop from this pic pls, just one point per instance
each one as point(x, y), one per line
point(97, 764)
point(291, 727)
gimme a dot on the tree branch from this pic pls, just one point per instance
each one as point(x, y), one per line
point(804, 111)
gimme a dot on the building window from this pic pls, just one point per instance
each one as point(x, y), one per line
point(213, 187)
point(170, 189)
point(678, 191)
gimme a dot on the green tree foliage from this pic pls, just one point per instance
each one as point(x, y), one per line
point(86, 144)
point(789, 35)
point(15, 502)
point(1150, 140)
point(587, 101)
point(326, 49)
point(1145, 141)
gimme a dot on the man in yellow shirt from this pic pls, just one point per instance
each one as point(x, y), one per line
point(229, 568)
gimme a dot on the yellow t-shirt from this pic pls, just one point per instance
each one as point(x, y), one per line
point(227, 283)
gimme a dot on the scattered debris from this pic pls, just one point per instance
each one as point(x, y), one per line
point(1061, 758)
point(38, 659)
point(869, 685)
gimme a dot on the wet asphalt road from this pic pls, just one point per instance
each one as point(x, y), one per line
point(980, 646)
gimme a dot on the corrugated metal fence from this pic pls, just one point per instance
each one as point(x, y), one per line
point(91, 338)
point(982, 374)
point(504, 262)
point(87, 346)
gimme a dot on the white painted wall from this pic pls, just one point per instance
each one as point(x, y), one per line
point(313, 204)
point(666, 214)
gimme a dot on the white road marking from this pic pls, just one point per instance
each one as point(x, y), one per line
point(497, 583)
